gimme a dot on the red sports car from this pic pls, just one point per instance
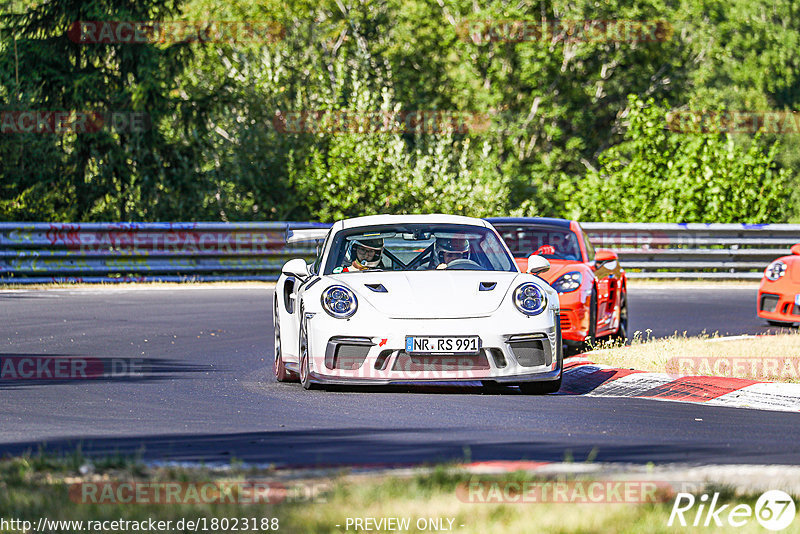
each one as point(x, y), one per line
point(779, 294)
point(591, 284)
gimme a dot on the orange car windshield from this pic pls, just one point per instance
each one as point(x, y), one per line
point(552, 243)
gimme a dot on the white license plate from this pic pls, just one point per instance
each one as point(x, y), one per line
point(797, 299)
point(443, 344)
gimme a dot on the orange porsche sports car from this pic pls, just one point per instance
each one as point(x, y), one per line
point(592, 286)
point(779, 295)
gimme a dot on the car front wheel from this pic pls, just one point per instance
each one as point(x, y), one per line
point(305, 367)
point(622, 331)
point(282, 374)
point(591, 336)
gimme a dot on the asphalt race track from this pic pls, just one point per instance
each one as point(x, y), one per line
point(206, 391)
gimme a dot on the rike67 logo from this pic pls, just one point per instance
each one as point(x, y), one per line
point(774, 510)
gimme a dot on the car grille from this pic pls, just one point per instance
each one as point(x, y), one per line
point(382, 359)
point(498, 357)
point(769, 302)
point(565, 322)
point(530, 353)
point(796, 310)
point(346, 356)
point(424, 362)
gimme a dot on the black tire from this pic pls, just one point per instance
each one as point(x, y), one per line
point(282, 374)
point(540, 388)
point(779, 323)
point(571, 348)
point(591, 338)
point(305, 374)
point(491, 386)
point(622, 332)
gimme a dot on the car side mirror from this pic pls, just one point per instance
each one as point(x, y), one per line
point(604, 256)
point(296, 267)
point(796, 249)
point(537, 264)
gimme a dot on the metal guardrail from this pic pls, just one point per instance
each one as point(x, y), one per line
point(693, 250)
point(140, 252)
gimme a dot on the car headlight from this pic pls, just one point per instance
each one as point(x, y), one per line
point(775, 270)
point(339, 302)
point(530, 299)
point(568, 282)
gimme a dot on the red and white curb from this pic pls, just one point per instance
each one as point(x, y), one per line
point(583, 377)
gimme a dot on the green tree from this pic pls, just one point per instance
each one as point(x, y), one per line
point(118, 172)
point(663, 176)
point(330, 175)
point(560, 106)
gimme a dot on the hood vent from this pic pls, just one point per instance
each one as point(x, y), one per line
point(487, 286)
point(377, 288)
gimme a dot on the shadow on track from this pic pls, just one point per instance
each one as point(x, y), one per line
point(19, 370)
point(343, 447)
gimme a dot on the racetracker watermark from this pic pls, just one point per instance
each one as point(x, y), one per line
point(572, 492)
point(646, 239)
point(206, 492)
point(376, 122)
point(768, 368)
point(72, 122)
point(141, 242)
point(149, 32)
point(63, 368)
point(568, 31)
point(744, 122)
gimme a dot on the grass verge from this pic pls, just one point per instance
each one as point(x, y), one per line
point(771, 358)
point(42, 487)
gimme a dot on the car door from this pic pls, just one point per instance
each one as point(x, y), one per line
point(607, 276)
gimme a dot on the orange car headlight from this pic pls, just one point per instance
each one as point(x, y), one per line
point(568, 282)
point(775, 270)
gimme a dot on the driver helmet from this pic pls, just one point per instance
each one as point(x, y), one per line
point(366, 251)
point(448, 249)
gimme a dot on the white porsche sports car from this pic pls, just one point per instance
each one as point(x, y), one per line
point(415, 299)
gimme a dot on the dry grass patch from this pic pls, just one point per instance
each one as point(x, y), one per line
point(773, 358)
point(39, 486)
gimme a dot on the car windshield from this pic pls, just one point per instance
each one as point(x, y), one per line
point(418, 247)
point(552, 243)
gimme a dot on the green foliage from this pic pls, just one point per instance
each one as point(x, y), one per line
point(350, 174)
point(116, 172)
point(564, 136)
point(329, 174)
point(658, 175)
